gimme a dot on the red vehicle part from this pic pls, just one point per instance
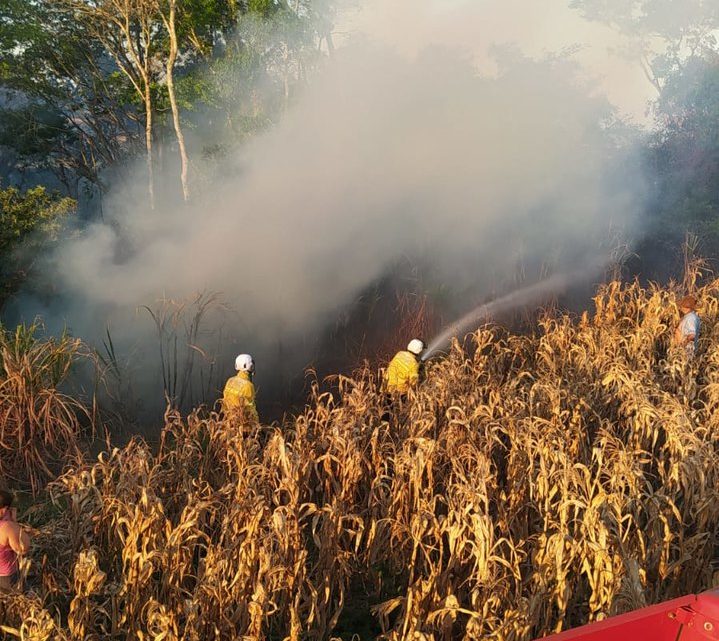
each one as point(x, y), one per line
point(690, 618)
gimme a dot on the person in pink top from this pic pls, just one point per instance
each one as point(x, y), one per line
point(14, 541)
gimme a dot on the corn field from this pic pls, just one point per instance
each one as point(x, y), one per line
point(532, 483)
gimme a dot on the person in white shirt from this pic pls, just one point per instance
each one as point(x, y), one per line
point(686, 334)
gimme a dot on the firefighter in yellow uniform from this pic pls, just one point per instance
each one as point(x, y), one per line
point(240, 390)
point(403, 370)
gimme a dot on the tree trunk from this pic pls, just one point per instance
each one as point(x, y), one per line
point(126, 30)
point(172, 57)
point(148, 146)
point(286, 76)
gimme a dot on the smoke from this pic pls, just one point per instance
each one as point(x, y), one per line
point(517, 299)
point(382, 156)
point(540, 28)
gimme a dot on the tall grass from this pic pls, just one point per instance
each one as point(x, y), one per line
point(187, 370)
point(532, 483)
point(40, 426)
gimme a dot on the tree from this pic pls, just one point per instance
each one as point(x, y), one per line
point(683, 157)
point(29, 221)
point(191, 29)
point(168, 11)
point(128, 31)
point(61, 109)
point(91, 80)
point(664, 33)
point(146, 36)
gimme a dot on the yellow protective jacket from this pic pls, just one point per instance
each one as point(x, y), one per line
point(402, 372)
point(240, 393)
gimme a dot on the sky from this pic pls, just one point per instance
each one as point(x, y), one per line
point(536, 27)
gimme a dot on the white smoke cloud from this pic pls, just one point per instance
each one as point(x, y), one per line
point(538, 28)
point(383, 155)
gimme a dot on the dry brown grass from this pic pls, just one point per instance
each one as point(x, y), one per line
point(535, 483)
point(40, 426)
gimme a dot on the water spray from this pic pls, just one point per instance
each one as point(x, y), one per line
point(519, 298)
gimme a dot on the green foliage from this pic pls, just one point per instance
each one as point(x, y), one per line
point(689, 104)
point(34, 130)
point(683, 158)
point(676, 44)
point(35, 214)
point(54, 72)
point(74, 111)
point(29, 222)
point(202, 22)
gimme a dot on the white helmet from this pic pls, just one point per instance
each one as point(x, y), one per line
point(244, 363)
point(415, 346)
